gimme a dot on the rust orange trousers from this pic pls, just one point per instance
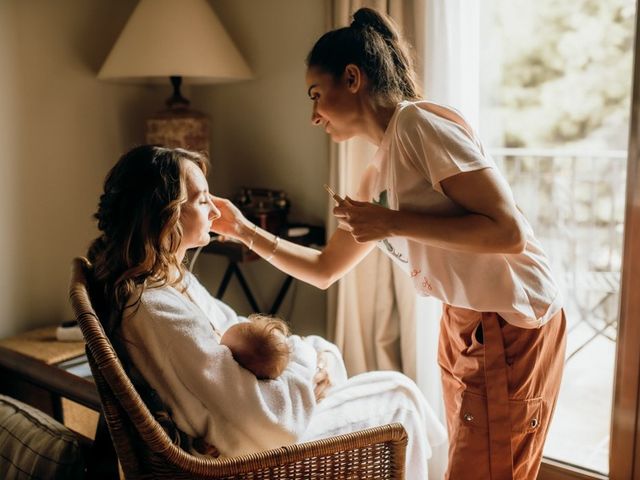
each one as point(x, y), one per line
point(500, 385)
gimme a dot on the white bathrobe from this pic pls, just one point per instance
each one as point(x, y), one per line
point(173, 340)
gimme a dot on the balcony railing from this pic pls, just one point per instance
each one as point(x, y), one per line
point(575, 203)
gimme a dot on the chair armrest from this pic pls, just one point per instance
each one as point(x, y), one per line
point(376, 453)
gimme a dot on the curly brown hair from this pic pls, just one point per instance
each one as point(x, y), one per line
point(139, 217)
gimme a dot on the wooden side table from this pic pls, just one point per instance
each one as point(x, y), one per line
point(50, 375)
point(30, 370)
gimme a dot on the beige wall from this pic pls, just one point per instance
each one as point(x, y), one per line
point(9, 89)
point(61, 130)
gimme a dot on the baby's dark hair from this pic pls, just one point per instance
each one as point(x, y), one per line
point(372, 43)
point(262, 352)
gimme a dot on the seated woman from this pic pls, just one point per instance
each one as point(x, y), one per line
point(156, 205)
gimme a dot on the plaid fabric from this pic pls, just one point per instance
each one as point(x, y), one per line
point(35, 446)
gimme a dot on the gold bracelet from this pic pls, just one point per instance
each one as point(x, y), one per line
point(275, 247)
point(253, 236)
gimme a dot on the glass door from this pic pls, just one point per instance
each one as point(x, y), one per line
point(556, 84)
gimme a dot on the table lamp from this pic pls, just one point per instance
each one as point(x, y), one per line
point(175, 40)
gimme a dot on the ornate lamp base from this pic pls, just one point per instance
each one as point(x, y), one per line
point(179, 126)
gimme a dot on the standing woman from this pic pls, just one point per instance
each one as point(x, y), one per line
point(436, 203)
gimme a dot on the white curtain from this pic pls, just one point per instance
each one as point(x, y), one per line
point(451, 46)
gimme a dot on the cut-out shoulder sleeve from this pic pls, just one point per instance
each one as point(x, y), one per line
point(438, 147)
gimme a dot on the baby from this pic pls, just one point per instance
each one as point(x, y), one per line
point(259, 345)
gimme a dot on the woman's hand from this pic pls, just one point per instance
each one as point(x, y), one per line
point(321, 380)
point(231, 218)
point(366, 221)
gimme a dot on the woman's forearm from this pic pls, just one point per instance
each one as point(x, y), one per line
point(303, 263)
point(318, 268)
point(489, 220)
point(468, 232)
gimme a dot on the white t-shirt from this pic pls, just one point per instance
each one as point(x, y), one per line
point(424, 144)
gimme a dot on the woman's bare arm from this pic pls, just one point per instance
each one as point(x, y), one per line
point(320, 268)
point(492, 224)
point(317, 267)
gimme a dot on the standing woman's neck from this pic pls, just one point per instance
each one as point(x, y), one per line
point(377, 118)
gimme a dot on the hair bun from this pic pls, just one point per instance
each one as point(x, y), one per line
point(367, 17)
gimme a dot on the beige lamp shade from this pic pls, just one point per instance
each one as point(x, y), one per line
point(175, 39)
point(180, 38)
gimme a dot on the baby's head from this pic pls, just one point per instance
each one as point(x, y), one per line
point(259, 345)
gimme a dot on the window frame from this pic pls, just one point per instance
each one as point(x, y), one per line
point(554, 470)
point(624, 457)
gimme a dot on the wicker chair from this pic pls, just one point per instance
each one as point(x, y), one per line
point(146, 451)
